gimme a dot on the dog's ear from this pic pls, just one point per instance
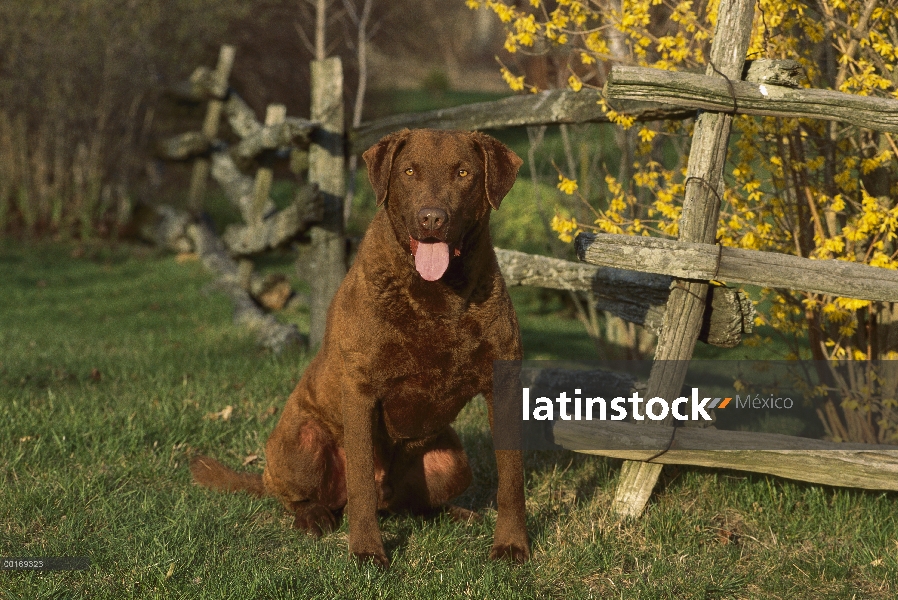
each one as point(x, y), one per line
point(379, 159)
point(501, 166)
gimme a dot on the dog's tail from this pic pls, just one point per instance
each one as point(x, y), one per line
point(210, 473)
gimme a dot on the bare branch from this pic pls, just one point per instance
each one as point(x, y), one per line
point(304, 38)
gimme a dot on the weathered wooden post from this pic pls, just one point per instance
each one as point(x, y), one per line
point(326, 169)
point(210, 125)
point(701, 211)
point(275, 114)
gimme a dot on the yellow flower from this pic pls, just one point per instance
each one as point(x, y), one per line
point(852, 303)
point(568, 186)
point(566, 228)
point(515, 83)
point(511, 44)
point(625, 121)
point(505, 12)
point(646, 134)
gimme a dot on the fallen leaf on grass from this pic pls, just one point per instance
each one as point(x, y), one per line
point(726, 537)
point(224, 414)
point(250, 459)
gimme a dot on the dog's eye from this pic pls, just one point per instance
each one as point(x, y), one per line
point(462, 172)
point(409, 171)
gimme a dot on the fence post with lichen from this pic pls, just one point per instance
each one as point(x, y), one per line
point(327, 170)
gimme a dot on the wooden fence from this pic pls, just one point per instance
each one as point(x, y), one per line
point(636, 298)
point(675, 299)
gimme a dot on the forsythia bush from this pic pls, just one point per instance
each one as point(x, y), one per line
point(811, 188)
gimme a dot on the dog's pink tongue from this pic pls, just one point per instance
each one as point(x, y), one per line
point(432, 260)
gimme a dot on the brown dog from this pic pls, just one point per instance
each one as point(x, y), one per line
point(411, 337)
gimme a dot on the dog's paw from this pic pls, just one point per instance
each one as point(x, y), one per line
point(514, 552)
point(314, 519)
point(378, 558)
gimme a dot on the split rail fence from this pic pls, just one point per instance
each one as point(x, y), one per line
point(662, 284)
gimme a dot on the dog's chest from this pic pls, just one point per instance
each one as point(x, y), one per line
point(431, 375)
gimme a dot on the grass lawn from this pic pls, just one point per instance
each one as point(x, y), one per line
point(113, 362)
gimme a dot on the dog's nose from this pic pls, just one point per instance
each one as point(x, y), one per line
point(431, 219)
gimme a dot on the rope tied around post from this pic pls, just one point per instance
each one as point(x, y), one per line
point(729, 85)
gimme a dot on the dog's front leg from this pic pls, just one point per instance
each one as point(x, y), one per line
point(365, 541)
point(511, 540)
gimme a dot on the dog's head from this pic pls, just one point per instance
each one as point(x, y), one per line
point(438, 185)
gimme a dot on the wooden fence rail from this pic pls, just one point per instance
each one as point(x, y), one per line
point(634, 297)
point(713, 92)
point(551, 107)
point(738, 265)
point(872, 467)
point(769, 88)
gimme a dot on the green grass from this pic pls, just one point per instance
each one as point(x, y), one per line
point(111, 362)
